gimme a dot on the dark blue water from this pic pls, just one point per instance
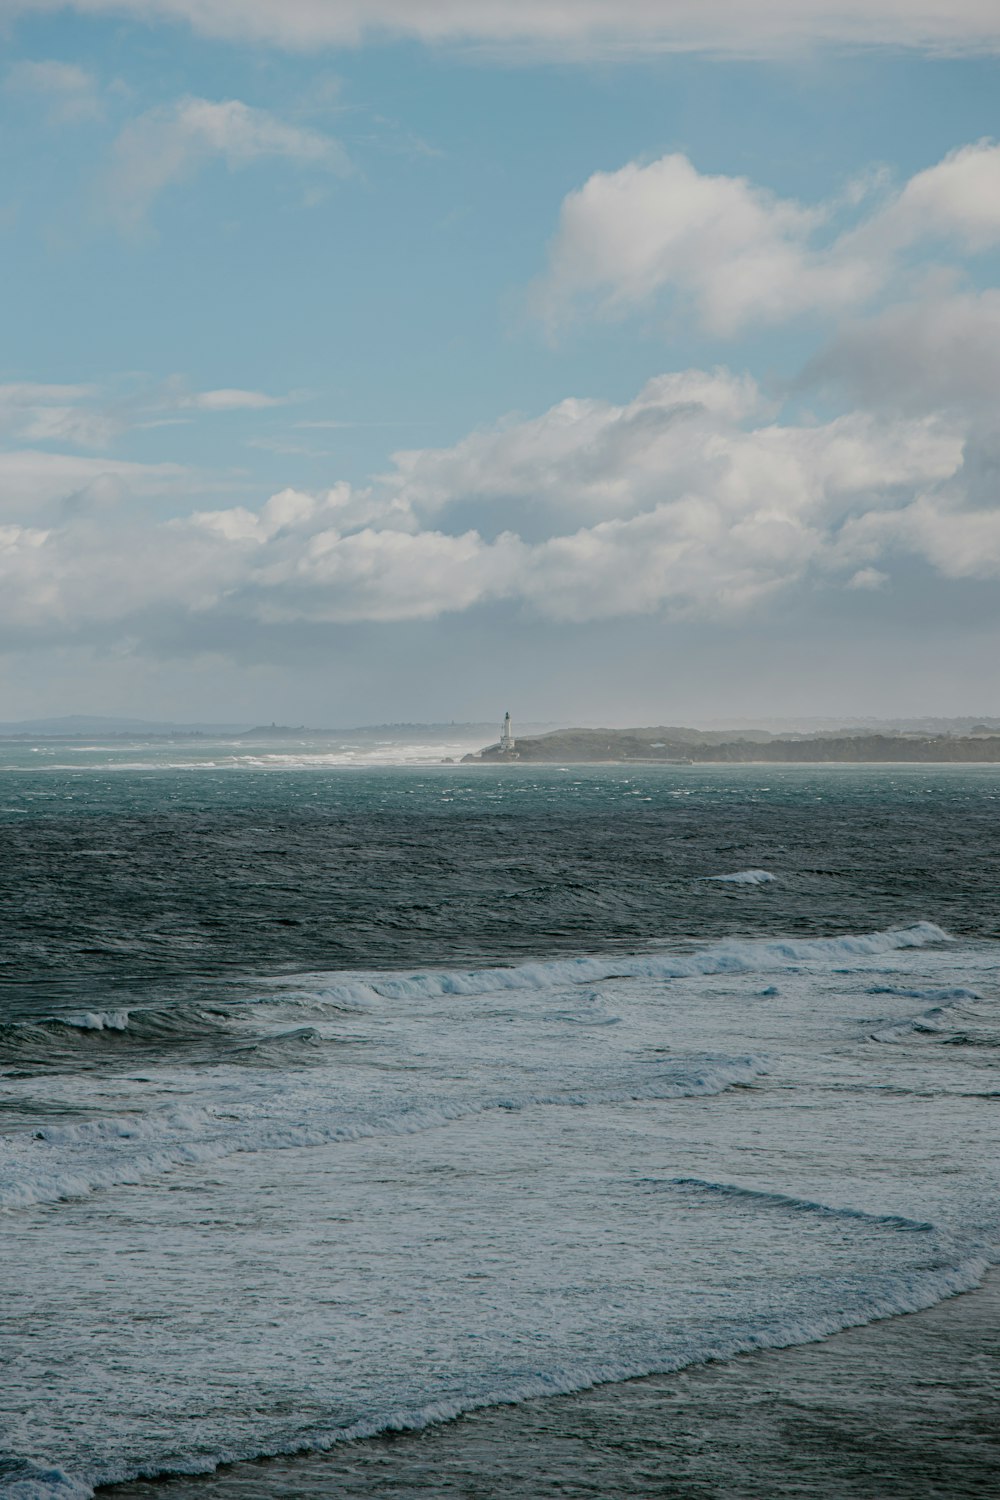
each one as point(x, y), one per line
point(113, 882)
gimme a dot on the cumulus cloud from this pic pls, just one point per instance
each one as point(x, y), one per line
point(738, 254)
point(167, 144)
point(959, 198)
point(572, 26)
point(69, 92)
point(584, 458)
point(692, 499)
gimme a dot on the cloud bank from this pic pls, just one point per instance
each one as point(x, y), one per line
point(690, 499)
point(586, 27)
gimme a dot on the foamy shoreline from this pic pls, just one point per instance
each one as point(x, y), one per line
point(904, 1407)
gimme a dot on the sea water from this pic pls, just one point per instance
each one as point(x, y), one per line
point(338, 1099)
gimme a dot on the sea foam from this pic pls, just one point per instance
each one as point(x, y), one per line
point(129, 1150)
point(907, 1293)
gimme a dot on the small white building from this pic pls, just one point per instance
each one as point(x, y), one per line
point(506, 735)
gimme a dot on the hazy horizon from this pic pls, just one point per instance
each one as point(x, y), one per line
point(123, 725)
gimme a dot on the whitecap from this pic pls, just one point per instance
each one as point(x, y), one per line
point(98, 1020)
point(731, 957)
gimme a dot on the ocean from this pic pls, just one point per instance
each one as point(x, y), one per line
point(341, 1097)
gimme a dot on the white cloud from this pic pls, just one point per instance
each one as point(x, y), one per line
point(688, 433)
point(168, 144)
point(71, 93)
point(571, 27)
point(590, 458)
point(690, 499)
point(738, 254)
point(958, 198)
point(386, 575)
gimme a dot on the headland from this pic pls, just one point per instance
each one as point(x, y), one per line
point(681, 746)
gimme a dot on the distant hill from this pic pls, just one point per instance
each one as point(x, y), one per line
point(852, 728)
point(696, 747)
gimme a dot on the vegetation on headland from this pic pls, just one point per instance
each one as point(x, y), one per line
point(697, 747)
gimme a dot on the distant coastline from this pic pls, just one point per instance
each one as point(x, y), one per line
point(676, 746)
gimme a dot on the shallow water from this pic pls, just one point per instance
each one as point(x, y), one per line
point(336, 1100)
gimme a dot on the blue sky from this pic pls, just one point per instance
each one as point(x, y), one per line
point(644, 374)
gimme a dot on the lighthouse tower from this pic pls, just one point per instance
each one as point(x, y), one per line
point(506, 735)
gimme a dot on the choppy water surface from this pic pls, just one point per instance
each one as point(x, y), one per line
point(336, 1099)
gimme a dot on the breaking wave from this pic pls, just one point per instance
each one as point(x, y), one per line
point(210, 1034)
point(733, 957)
point(744, 877)
point(98, 1020)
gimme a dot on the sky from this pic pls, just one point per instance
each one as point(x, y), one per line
point(613, 361)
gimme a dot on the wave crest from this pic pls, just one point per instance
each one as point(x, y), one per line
point(731, 957)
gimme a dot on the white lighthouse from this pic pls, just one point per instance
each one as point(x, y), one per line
point(506, 735)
